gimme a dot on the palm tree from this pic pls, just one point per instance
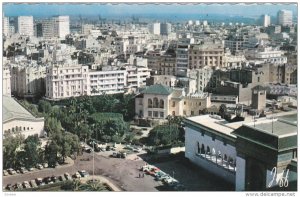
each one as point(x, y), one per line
point(92, 186)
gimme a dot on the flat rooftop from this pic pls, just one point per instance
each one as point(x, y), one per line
point(280, 128)
point(219, 125)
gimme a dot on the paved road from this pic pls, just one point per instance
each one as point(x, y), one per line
point(122, 172)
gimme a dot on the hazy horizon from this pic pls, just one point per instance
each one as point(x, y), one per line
point(106, 9)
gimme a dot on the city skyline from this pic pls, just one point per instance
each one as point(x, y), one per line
point(104, 9)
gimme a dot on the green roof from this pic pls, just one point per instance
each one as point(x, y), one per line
point(13, 110)
point(158, 89)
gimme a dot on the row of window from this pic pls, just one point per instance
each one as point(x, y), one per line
point(155, 103)
point(16, 129)
point(155, 114)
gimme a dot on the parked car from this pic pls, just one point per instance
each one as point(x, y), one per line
point(47, 180)
point(45, 165)
point(108, 148)
point(18, 186)
point(23, 170)
point(9, 187)
point(30, 169)
point(87, 149)
point(33, 183)
point(26, 184)
point(68, 176)
point(39, 181)
point(61, 178)
point(11, 171)
point(5, 173)
point(39, 166)
point(83, 173)
point(77, 175)
point(54, 179)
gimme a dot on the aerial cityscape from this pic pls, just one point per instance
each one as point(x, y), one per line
point(153, 97)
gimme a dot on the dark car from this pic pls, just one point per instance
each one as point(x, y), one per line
point(39, 181)
point(47, 180)
point(9, 187)
point(83, 173)
point(61, 178)
point(18, 186)
point(54, 179)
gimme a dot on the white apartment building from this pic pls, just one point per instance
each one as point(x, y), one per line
point(128, 45)
point(6, 87)
point(64, 81)
point(265, 20)
point(62, 26)
point(25, 25)
point(267, 55)
point(285, 17)
point(5, 27)
point(58, 26)
point(110, 80)
point(136, 76)
point(202, 77)
point(155, 28)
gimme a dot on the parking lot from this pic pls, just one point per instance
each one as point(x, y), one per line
point(125, 173)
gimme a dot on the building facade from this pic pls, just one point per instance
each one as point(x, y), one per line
point(25, 25)
point(285, 17)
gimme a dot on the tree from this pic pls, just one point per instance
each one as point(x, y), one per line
point(32, 151)
point(44, 107)
point(51, 153)
point(52, 126)
point(11, 147)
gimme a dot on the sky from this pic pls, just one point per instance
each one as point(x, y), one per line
point(44, 9)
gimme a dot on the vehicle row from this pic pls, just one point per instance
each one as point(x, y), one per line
point(46, 180)
point(23, 170)
point(165, 178)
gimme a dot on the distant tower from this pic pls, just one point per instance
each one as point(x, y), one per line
point(285, 17)
point(259, 98)
point(265, 20)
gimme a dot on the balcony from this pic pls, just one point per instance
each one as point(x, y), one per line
point(219, 161)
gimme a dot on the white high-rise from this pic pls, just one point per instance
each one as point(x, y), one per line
point(25, 25)
point(155, 28)
point(265, 20)
point(48, 28)
point(62, 26)
point(5, 26)
point(285, 17)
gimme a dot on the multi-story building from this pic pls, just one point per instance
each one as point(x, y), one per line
point(182, 56)
point(235, 43)
point(48, 29)
point(202, 55)
point(237, 152)
point(266, 55)
point(285, 17)
point(167, 64)
point(110, 80)
point(6, 84)
point(86, 28)
point(25, 25)
point(28, 80)
point(63, 81)
point(155, 28)
point(265, 20)
point(38, 29)
point(165, 29)
point(62, 26)
point(158, 101)
point(5, 27)
point(137, 76)
point(58, 27)
point(203, 77)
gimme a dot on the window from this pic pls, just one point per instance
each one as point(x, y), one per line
point(173, 113)
point(155, 114)
point(161, 114)
point(184, 102)
point(192, 113)
point(213, 138)
point(294, 153)
point(150, 113)
point(184, 112)
point(199, 103)
point(155, 102)
point(202, 133)
point(149, 103)
point(224, 143)
point(161, 103)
